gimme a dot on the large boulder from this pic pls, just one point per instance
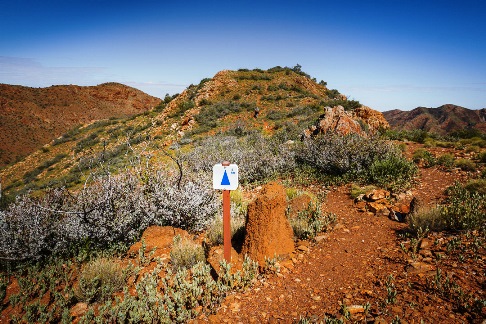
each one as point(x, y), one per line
point(268, 232)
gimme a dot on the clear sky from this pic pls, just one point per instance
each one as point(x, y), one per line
point(394, 54)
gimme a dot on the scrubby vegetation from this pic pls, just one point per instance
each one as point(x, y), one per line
point(113, 209)
point(122, 177)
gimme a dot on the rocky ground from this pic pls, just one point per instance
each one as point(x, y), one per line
point(367, 270)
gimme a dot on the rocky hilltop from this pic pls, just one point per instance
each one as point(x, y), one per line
point(441, 120)
point(32, 117)
point(279, 101)
point(269, 100)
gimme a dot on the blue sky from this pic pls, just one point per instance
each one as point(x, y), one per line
point(386, 54)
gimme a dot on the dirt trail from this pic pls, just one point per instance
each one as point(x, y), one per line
point(350, 265)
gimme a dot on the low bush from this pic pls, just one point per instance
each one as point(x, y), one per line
point(259, 158)
point(115, 209)
point(87, 142)
point(176, 297)
point(423, 156)
point(465, 164)
point(476, 186)
point(185, 253)
point(446, 160)
point(357, 158)
point(99, 279)
point(311, 221)
point(482, 157)
point(357, 191)
point(394, 172)
point(463, 210)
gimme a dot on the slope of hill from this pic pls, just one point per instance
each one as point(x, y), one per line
point(288, 101)
point(32, 117)
point(441, 120)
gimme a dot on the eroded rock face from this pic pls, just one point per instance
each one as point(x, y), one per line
point(268, 232)
point(362, 121)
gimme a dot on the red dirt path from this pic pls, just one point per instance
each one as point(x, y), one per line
point(349, 266)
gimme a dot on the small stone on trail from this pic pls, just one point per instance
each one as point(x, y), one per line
point(303, 248)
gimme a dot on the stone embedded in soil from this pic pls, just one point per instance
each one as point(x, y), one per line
point(377, 194)
point(268, 232)
point(78, 310)
point(216, 255)
point(356, 309)
point(298, 204)
point(417, 267)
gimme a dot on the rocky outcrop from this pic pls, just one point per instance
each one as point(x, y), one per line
point(268, 232)
point(379, 202)
point(362, 121)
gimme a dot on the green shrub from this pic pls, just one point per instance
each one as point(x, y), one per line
point(275, 115)
point(465, 164)
point(422, 155)
point(311, 221)
point(87, 142)
point(444, 144)
point(394, 172)
point(472, 149)
point(99, 279)
point(431, 219)
point(185, 253)
point(482, 157)
point(464, 210)
point(357, 191)
point(446, 160)
point(476, 186)
point(354, 157)
point(176, 297)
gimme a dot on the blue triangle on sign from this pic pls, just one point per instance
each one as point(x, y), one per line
point(225, 181)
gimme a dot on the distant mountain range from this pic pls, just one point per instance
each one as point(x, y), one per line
point(442, 120)
point(32, 117)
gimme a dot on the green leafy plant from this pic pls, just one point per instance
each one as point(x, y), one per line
point(465, 164)
point(463, 210)
point(391, 291)
point(424, 156)
point(311, 221)
point(446, 160)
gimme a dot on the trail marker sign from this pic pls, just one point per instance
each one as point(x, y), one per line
point(225, 177)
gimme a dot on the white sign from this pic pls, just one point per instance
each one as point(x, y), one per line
point(225, 177)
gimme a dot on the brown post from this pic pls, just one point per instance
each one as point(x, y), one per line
point(226, 222)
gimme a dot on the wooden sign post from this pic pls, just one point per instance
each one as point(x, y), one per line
point(225, 177)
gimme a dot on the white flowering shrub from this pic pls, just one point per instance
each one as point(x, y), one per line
point(191, 206)
point(370, 159)
point(258, 158)
point(113, 209)
point(337, 155)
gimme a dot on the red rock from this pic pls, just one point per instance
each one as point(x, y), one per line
point(78, 310)
point(159, 237)
point(299, 204)
point(377, 194)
